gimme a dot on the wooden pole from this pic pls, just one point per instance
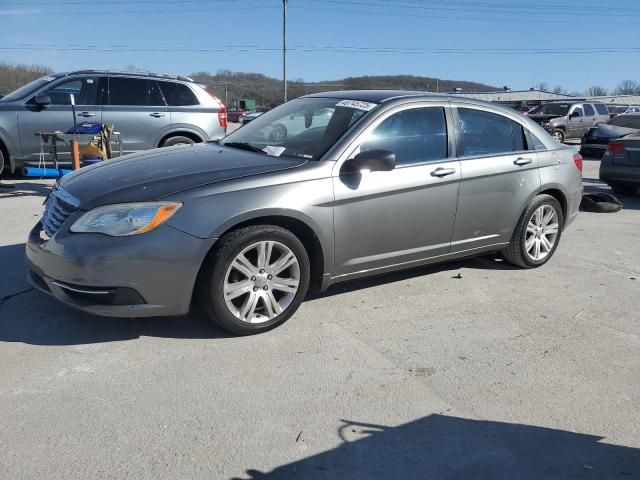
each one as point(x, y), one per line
point(75, 154)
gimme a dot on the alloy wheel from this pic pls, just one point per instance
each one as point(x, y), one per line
point(261, 282)
point(542, 232)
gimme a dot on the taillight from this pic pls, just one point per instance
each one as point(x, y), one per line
point(577, 159)
point(614, 148)
point(222, 116)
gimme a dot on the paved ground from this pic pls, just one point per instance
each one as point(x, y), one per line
point(502, 373)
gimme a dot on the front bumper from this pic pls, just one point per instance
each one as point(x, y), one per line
point(146, 275)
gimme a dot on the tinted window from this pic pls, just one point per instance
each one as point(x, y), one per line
point(155, 96)
point(484, 133)
point(519, 140)
point(579, 111)
point(416, 135)
point(588, 110)
point(626, 121)
point(617, 109)
point(601, 108)
point(178, 94)
point(84, 90)
point(128, 91)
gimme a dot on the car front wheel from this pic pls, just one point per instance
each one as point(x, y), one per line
point(558, 135)
point(255, 280)
point(537, 233)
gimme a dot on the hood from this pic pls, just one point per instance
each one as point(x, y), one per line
point(606, 130)
point(542, 118)
point(157, 173)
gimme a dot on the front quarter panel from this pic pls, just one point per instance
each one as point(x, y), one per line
point(304, 193)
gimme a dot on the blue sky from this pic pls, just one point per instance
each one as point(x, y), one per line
point(498, 42)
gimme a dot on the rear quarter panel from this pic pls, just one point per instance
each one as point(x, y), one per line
point(559, 172)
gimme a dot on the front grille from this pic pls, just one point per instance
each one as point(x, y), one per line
point(59, 206)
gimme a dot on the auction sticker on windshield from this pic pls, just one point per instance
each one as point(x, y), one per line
point(366, 106)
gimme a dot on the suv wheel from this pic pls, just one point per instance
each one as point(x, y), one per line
point(177, 140)
point(255, 280)
point(537, 233)
point(558, 135)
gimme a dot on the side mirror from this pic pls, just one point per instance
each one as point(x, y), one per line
point(373, 160)
point(42, 100)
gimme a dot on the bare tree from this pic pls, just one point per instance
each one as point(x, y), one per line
point(542, 86)
point(627, 87)
point(596, 91)
point(559, 90)
point(14, 76)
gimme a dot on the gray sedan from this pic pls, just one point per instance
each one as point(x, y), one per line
point(361, 183)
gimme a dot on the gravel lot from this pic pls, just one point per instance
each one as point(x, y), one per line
point(502, 373)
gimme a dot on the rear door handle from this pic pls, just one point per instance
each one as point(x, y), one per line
point(86, 114)
point(523, 161)
point(443, 172)
point(156, 114)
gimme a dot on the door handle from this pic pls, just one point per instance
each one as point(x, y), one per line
point(443, 172)
point(156, 114)
point(523, 161)
point(86, 114)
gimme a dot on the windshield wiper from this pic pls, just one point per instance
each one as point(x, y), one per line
point(244, 146)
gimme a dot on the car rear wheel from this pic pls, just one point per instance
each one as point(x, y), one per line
point(255, 280)
point(624, 188)
point(537, 233)
point(558, 135)
point(177, 140)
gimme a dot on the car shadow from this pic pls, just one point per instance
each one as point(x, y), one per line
point(444, 447)
point(23, 189)
point(484, 262)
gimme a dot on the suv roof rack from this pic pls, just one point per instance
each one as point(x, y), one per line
point(137, 73)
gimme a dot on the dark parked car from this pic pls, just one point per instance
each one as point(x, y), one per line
point(249, 117)
point(360, 183)
point(620, 166)
point(595, 141)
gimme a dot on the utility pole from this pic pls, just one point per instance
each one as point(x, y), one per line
point(284, 46)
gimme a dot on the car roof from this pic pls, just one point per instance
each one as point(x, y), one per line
point(123, 73)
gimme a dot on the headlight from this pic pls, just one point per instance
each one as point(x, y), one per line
point(125, 218)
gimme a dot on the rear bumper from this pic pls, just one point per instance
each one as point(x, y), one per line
point(620, 173)
point(140, 276)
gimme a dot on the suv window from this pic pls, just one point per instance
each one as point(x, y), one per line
point(588, 110)
point(601, 108)
point(485, 133)
point(416, 135)
point(84, 90)
point(178, 94)
point(579, 110)
point(128, 91)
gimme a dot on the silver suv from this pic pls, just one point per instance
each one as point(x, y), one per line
point(569, 119)
point(149, 110)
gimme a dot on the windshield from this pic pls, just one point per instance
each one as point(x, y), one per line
point(28, 89)
point(559, 109)
point(303, 128)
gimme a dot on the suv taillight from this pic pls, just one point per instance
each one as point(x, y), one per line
point(577, 159)
point(222, 116)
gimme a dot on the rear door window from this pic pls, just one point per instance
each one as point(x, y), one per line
point(485, 133)
point(588, 110)
point(178, 94)
point(601, 108)
point(128, 91)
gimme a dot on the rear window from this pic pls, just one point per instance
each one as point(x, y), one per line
point(601, 108)
point(626, 121)
point(588, 110)
point(486, 133)
point(616, 109)
point(178, 94)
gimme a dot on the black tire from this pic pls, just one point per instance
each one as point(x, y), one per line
point(177, 140)
point(600, 202)
point(559, 135)
point(623, 189)
point(516, 253)
point(1, 161)
point(211, 283)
